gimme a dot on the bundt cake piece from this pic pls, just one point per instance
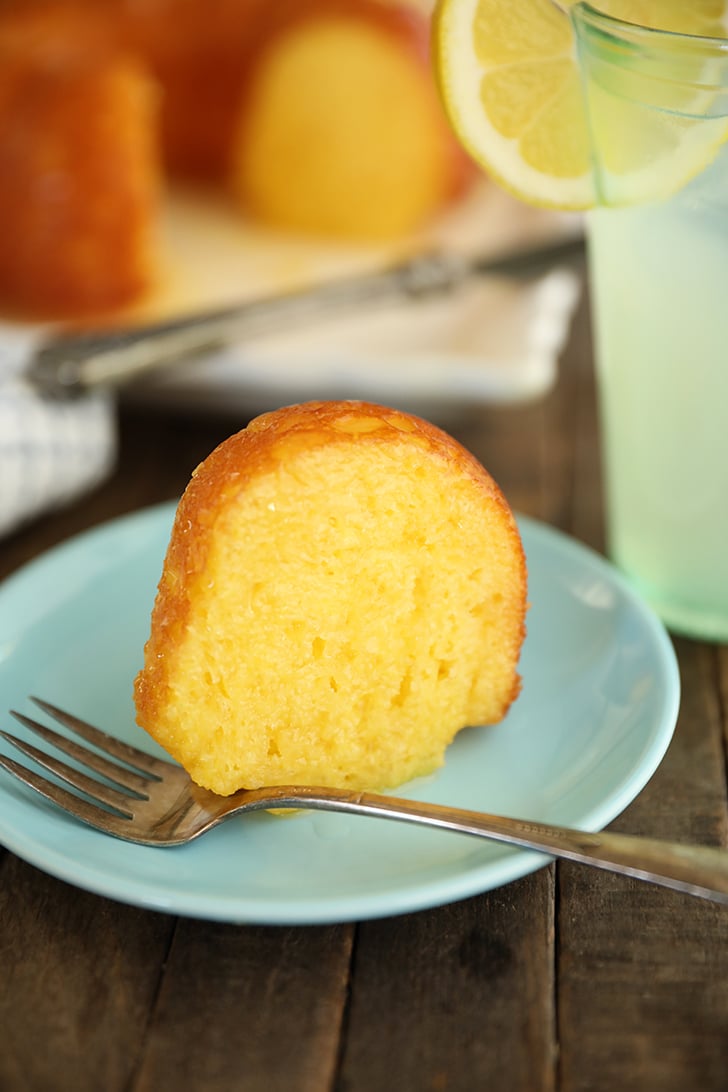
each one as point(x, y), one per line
point(343, 591)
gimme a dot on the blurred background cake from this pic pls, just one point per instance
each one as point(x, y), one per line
point(79, 164)
point(340, 130)
point(198, 53)
point(317, 117)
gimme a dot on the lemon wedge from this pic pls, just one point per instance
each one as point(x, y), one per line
point(510, 81)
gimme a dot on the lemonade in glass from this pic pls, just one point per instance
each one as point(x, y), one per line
point(629, 121)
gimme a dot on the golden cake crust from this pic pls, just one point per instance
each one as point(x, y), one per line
point(223, 481)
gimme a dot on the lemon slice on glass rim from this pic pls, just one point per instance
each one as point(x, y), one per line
point(509, 78)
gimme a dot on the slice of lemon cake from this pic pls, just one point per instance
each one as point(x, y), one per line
point(344, 590)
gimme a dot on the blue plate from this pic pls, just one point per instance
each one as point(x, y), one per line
point(597, 711)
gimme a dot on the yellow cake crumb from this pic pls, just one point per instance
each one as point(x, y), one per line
point(344, 590)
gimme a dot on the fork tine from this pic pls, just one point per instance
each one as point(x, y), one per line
point(82, 809)
point(101, 793)
point(140, 760)
point(120, 775)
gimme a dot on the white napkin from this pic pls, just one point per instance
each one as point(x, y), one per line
point(51, 452)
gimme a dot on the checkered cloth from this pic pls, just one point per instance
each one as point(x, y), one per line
point(51, 452)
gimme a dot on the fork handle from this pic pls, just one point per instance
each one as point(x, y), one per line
point(694, 870)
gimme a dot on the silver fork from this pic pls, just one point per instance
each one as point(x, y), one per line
point(153, 802)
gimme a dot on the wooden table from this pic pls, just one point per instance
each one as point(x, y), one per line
point(569, 979)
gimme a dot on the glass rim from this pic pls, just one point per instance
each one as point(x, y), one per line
point(639, 34)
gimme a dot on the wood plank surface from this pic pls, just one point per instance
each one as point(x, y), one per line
point(643, 972)
point(79, 976)
point(457, 998)
point(248, 1007)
